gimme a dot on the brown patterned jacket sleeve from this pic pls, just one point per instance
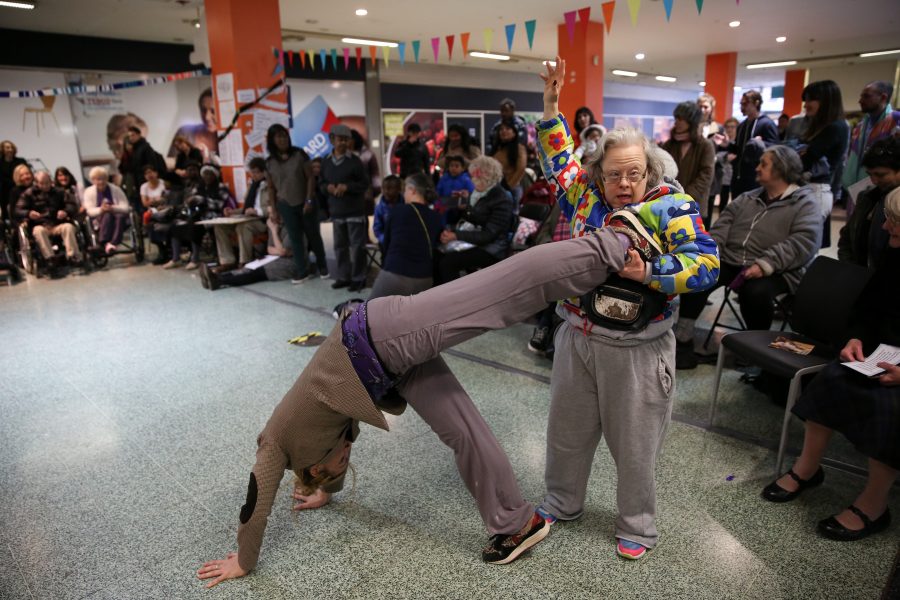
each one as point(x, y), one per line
point(267, 473)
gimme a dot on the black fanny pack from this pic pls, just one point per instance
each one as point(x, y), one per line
point(623, 304)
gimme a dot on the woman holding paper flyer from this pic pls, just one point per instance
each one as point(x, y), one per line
point(865, 409)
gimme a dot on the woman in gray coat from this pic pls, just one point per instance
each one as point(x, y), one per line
point(767, 237)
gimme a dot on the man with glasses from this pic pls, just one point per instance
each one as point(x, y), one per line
point(862, 239)
point(879, 121)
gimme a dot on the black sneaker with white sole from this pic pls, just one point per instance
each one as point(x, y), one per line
point(540, 339)
point(503, 549)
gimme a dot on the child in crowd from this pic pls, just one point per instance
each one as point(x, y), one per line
point(390, 198)
point(455, 183)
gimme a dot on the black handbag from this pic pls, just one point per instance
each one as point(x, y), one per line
point(164, 215)
point(623, 304)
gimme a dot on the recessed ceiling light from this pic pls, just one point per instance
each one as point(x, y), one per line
point(347, 40)
point(196, 24)
point(701, 83)
point(552, 63)
point(624, 73)
point(490, 56)
point(781, 39)
point(737, 88)
point(666, 78)
point(734, 24)
point(361, 12)
point(639, 56)
point(784, 63)
point(25, 5)
point(881, 53)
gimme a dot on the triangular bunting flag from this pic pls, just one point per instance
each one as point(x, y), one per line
point(584, 15)
point(570, 24)
point(346, 59)
point(334, 58)
point(386, 53)
point(322, 59)
point(634, 7)
point(699, 6)
point(358, 58)
point(609, 8)
point(450, 39)
point(290, 56)
point(510, 34)
point(529, 31)
point(373, 51)
point(416, 44)
point(464, 40)
point(302, 59)
point(401, 48)
point(488, 39)
point(312, 59)
point(436, 47)
point(668, 5)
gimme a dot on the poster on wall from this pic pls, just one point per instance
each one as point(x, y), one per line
point(162, 112)
point(395, 126)
point(317, 105)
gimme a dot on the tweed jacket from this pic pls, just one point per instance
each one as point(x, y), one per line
point(323, 407)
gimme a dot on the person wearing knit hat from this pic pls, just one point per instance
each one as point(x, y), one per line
point(384, 354)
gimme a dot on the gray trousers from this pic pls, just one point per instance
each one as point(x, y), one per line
point(409, 333)
point(350, 236)
point(622, 390)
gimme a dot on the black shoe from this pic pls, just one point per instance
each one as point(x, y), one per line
point(504, 549)
point(539, 340)
point(161, 259)
point(356, 286)
point(340, 283)
point(684, 355)
point(775, 493)
point(832, 529)
point(346, 307)
point(209, 279)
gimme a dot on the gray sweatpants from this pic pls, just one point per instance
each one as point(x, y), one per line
point(409, 333)
point(621, 389)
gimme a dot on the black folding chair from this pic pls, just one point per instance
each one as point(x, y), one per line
point(822, 306)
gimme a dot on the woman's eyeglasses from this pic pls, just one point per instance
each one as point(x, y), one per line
point(616, 176)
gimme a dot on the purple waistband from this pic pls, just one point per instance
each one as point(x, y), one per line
point(362, 355)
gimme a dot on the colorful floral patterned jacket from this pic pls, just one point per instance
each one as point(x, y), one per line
point(691, 262)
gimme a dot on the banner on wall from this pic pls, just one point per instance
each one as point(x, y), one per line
point(317, 105)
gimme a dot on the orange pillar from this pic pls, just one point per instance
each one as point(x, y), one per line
point(720, 75)
point(242, 36)
point(584, 69)
point(794, 82)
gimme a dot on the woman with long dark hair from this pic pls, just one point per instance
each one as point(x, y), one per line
point(694, 154)
point(511, 154)
point(63, 179)
point(823, 145)
point(459, 143)
point(291, 185)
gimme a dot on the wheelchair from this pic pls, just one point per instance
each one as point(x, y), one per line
point(32, 260)
point(132, 241)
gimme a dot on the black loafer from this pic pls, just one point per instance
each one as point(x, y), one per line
point(775, 493)
point(832, 529)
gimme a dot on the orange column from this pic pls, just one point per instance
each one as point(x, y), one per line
point(242, 36)
point(584, 69)
point(720, 75)
point(794, 82)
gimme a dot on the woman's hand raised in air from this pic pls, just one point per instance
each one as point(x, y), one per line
point(553, 83)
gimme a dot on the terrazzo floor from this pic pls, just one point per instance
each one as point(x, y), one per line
point(131, 400)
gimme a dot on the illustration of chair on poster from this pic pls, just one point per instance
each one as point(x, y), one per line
point(48, 102)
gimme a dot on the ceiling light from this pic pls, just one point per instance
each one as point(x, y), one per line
point(25, 5)
point(196, 24)
point(784, 63)
point(368, 42)
point(361, 12)
point(490, 56)
point(624, 73)
point(881, 53)
point(552, 63)
point(781, 39)
point(701, 83)
point(734, 24)
point(737, 88)
point(666, 78)
point(639, 56)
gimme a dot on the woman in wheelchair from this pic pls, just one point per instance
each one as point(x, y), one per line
point(107, 209)
point(865, 409)
point(47, 211)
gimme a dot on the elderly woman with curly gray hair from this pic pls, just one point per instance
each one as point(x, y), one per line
point(484, 226)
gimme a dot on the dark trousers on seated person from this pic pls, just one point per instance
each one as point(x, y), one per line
point(451, 264)
point(756, 297)
point(111, 227)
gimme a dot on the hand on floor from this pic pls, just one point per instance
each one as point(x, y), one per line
point(221, 570)
point(317, 500)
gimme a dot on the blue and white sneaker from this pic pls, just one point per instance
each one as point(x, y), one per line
point(630, 550)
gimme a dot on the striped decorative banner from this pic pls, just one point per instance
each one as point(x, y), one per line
point(107, 87)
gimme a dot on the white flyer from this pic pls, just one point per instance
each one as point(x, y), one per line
point(226, 112)
point(264, 118)
point(245, 96)
point(239, 175)
point(231, 149)
point(869, 367)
